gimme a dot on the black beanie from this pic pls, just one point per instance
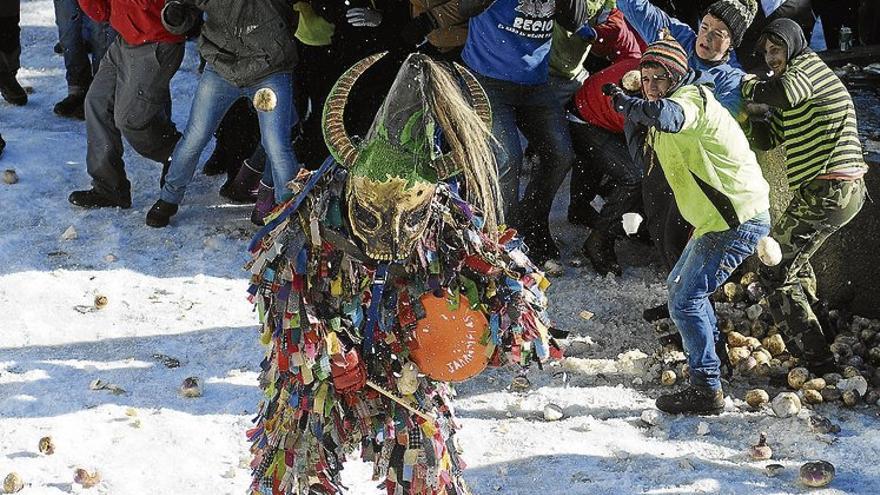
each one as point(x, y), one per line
point(737, 15)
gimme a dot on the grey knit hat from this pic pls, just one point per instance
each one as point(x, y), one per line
point(737, 15)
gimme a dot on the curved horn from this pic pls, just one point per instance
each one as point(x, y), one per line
point(338, 141)
point(477, 94)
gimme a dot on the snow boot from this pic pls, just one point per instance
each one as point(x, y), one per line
point(599, 249)
point(71, 107)
point(160, 214)
point(263, 206)
point(692, 400)
point(93, 199)
point(11, 90)
point(244, 187)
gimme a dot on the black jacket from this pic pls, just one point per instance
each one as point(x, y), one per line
point(800, 11)
point(244, 41)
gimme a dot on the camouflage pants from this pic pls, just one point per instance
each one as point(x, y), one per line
point(818, 209)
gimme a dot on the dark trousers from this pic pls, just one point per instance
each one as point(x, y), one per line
point(836, 14)
point(10, 44)
point(317, 71)
point(536, 112)
point(601, 152)
point(130, 98)
point(73, 25)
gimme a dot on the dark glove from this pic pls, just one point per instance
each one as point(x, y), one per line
point(415, 31)
point(611, 89)
point(174, 14)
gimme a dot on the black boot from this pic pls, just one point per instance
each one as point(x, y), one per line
point(244, 187)
point(160, 214)
point(692, 400)
point(599, 249)
point(93, 199)
point(540, 242)
point(71, 107)
point(2, 145)
point(11, 90)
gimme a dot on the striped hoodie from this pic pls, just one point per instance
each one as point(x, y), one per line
point(812, 115)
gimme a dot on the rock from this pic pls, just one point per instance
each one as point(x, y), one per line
point(769, 251)
point(831, 394)
point(191, 387)
point(46, 446)
point(754, 311)
point(668, 378)
point(851, 398)
point(872, 396)
point(552, 412)
point(745, 366)
point(10, 177)
point(774, 344)
point(772, 470)
point(651, 417)
point(874, 355)
point(761, 451)
point(814, 384)
point(13, 483)
point(736, 339)
point(823, 425)
point(752, 343)
point(758, 329)
point(797, 377)
point(586, 315)
point(520, 383)
point(841, 350)
point(637, 381)
point(702, 428)
point(85, 478)
point(749, 278)
point(69, 234)
point(786, 404)
point(857, 383)
point(755, 291)
point(812, 397)
point(737, 354)
point(832, 379)
point(733, 292)
point(817, 474)
point(101, 301)
point(762, 357)
point(757, 397)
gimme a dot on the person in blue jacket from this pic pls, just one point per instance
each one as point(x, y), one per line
point(710, 48)
point(508, 49)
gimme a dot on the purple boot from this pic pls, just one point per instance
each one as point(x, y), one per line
point(245, 186)
point(264, 205)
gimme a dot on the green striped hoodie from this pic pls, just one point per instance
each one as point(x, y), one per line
point(816, 122)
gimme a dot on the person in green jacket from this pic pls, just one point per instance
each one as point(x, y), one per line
point(719, 189)
point(812, 114)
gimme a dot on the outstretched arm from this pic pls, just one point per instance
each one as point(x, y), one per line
point(648, 20)
point(664, 115)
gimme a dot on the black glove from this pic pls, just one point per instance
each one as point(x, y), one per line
point(611, 89)
point(174, 14)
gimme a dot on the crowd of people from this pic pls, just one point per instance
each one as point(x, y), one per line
point(656, 106)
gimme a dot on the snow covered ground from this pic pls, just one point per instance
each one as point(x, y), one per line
point(179, 292)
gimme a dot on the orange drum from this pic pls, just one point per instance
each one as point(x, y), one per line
point(449, 347)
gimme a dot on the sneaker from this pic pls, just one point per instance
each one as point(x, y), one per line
point(71, 107)
point(692, 400)
point(599, 249)
point(11, 90)
point(93, 199)
point(160, 214)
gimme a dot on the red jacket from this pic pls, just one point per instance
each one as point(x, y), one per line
point(596, 108)
point(137, 21)
point(616, 39)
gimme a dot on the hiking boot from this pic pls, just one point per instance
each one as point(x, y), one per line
point(11, 90)
point(93, 199)
point(692, 400)
point(160, 214)
point(540, 242)
point(264, 205)
point(245, 186)
point(71, 107)
point(599, 249)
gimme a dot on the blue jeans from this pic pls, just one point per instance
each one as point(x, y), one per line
point(77, 32)
point(705, 264)
point(536, 111)
point(213, 98)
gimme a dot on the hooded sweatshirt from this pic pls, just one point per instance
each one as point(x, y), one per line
point(706, 158)
point(813, 114)
point(727, 75)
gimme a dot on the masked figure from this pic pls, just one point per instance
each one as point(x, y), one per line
point(385, 277)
